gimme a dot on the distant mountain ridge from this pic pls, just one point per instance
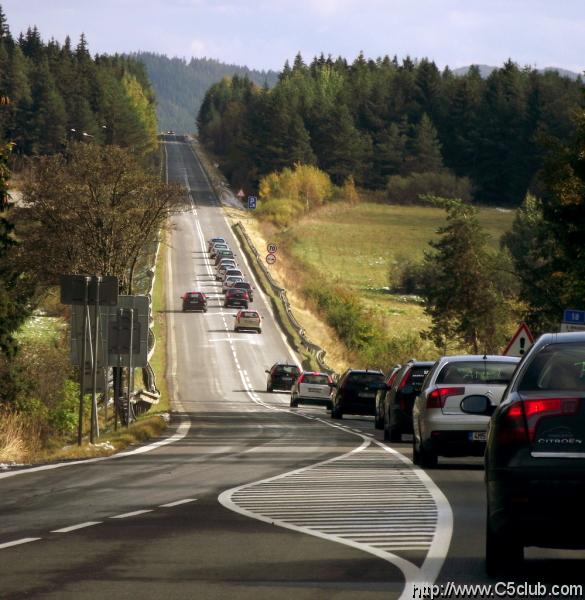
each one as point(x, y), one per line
point(486, 70)
point(180, 85)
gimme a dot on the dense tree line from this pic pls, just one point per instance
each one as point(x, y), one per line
point(180, 85)
point(52, 94)
point(374, 119)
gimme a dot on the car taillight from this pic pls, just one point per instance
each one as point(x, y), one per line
point(537, 408)
point(436, 398)
point(329, 380)
point(404, 380)
point(301, 379)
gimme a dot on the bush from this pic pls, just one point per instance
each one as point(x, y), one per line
point(279, 211)
point(406, 276)
point(408, 189)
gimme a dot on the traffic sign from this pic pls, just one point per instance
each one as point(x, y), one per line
point(573, 320)
point(240, 194)
point(272, 248)
point(520, 342)
point(270, 259)
point(251, 201)
point(73, 289)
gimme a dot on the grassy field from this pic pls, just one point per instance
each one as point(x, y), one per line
point(356, 245)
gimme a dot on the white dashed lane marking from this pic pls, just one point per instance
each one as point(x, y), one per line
point(134, 513)
point(178, 503)
point(76, 527)
point(18, 542)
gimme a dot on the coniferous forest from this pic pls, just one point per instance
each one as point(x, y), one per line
point(53, 94)
point(377, 119)
point(180, 85)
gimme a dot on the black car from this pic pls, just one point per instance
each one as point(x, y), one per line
point(399, 399)
point(355, 393)
point(244, 285)
point(380, 394)
point(281, 376)
point(235, 297)
point(194, 301)
point(535, 454)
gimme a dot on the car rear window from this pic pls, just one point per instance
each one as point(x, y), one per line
point(364, 378)
point(315, 379)
point(194, 294)
point(417, 376)
point(289, 369)
point(556, 367)
point(479, 371)
point(249, 314)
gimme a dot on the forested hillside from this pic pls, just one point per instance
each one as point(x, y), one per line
point(53, 94)
point(377, 119)
point(180, 85)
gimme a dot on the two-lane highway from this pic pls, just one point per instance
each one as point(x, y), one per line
point(203, 516)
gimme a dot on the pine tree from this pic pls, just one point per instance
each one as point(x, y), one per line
point(460, 296)
point(425, 148)
point(13, 308)
point(389, 154)
point(48, 118)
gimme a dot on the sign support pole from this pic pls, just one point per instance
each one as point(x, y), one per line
point(130, 365)
point(82, 362)
point(95, 429)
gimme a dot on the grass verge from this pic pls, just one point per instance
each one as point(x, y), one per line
point(158, 360)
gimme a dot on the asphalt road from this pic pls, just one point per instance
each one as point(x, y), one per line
point(249, 499)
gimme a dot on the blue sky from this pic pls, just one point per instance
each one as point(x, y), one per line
point(264, 33)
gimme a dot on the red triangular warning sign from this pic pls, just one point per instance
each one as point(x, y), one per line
point(520, 342)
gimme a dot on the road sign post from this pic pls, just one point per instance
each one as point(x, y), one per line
point(81, 290)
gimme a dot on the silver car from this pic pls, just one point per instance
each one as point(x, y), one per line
point(441, 426)
point(311, 388)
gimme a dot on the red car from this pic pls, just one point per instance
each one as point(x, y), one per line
point(194, 301)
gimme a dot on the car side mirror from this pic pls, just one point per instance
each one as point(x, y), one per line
point(476, 405)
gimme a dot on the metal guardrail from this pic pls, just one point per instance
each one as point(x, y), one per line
point(281, 293)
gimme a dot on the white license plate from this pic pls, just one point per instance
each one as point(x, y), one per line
point(366, 395)
point(478, 436)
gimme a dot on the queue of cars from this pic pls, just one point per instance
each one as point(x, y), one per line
point(236, 290)
point(525, 416)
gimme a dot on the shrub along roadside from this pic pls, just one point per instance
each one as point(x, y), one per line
point(43, 424)
point(362, 331)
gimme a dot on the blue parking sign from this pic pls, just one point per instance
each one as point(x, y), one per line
point(251, 201)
